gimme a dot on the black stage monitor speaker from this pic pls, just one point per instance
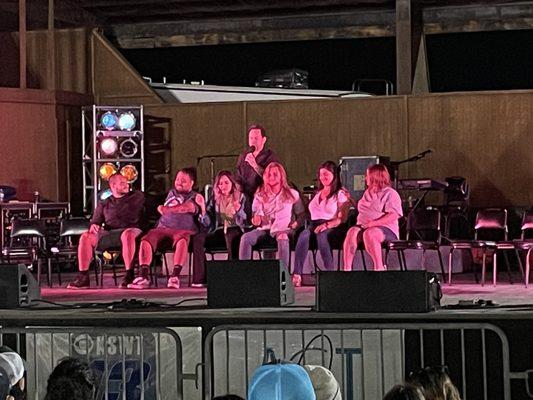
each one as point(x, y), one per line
point(18, 287)
point(248, 283)
point(377, 292)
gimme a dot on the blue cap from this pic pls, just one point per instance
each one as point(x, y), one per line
point(281, 382)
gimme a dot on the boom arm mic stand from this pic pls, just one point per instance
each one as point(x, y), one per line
point(396, 164)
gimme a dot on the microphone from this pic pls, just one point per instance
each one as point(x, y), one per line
point(251, 149)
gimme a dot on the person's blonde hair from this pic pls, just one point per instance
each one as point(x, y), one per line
point(378, 177)
point(264, 189)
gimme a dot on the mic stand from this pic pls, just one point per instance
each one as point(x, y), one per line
point(396, 164)
point(395, 168)
point(212, 158)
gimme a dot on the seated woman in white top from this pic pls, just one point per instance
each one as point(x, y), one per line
point(271, 213)
point(327, 209)
point(377, 221)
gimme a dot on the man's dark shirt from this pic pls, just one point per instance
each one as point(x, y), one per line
point(120, 213)
point(246, 175)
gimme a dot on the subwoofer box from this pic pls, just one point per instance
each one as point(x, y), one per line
point(248, 283)
point(18, 287)
point(378, 292)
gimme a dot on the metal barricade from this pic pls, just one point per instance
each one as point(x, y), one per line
point(366, 359)
point(130, 363)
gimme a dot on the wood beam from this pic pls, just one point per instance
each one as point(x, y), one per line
point(51, 41)
point(65, 11)
point(254, 30)
point(404, 64)
point(23, 84)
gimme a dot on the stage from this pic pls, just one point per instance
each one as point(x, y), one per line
point(463, 298)
point(197, 352)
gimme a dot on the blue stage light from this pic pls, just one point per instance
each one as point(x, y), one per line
point(109, 120)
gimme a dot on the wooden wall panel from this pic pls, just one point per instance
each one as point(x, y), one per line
point(485, 137)
point(482, 136)
point(306, 133)
point(40, 132)
point(29, 147)
point(72, 60)
point(9, 54)
point(114, 80)
point(198, 130)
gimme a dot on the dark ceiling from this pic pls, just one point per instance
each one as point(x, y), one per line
point(106, 13)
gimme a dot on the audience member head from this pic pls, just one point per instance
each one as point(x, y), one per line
point(256, 137)
point(377, 177)
point(228, 397)
point(185, 179)
point(273, 176)
point(325, 384)
point(435, 383)
point(71, 379)
point(225, 186)
point(281, 382)
point(328, 176)
point(404, 392)
point(12, 367)
point(5, 385)
point(119, 185)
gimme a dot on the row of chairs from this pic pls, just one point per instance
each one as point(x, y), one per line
point(28, 241)
point(491, 235)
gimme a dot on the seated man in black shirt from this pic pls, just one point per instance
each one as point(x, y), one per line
point(115, 222)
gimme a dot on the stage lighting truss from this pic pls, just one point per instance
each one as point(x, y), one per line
point(113, 142)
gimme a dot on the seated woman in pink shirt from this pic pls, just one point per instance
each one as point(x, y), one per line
point(271, 213)
point(377, 221)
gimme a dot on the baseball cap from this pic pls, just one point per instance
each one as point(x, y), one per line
point(324, 382)
point(281, 381)
point(13, 366)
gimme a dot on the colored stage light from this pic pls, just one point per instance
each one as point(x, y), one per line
point(108, 146)
point(109, 120)
point(128, 148)
point(126, 121)
point(104, 194)
point(106, 170)
point(129, 172)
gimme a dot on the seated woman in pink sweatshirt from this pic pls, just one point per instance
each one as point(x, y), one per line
point(377, 221)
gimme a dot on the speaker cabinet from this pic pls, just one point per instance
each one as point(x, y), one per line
point(353, 170)
point(248, 283)
point(378, 292)
point(18, 287)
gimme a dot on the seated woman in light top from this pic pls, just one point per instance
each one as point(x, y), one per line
point(224, 218)
point(327, 209)
point(379, 208)
point(271, 213)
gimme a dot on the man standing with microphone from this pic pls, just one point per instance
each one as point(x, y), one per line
point(253, 161)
